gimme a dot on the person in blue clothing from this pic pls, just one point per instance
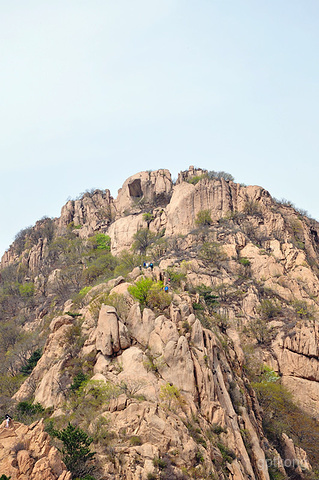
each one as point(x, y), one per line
point(166, 289)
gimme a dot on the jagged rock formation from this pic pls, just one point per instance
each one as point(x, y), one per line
point(202, 373)
point(26, 453)
point(92, 212)
point(178, 376)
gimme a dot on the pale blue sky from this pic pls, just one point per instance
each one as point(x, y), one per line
point(93, 91)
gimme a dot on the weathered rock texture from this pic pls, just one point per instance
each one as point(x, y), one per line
point(152, 188)
point(94, 211)
point(26, 454)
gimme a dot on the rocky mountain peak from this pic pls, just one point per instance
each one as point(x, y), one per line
point(179, 319)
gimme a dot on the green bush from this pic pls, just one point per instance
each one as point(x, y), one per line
point(221, 320)
point(197, 306)
point(275, 474)
point(303, 309)
point(281, 414)
point(101, 431)
point(116, 300)
point(141, 289)
point(170, 395)
point(127, 261)
point(26, 290)
point(203, 218)
point(227, 454)
point(268, 375)
point(10, 385)
point(244, 261)
point(159, 463)
point(86, 477)
point(74, 340)
point(195, 433)
point(196, 179)
point(100, 241)
point(73, 314)
point(135, 441)
point(29, 236)
point(186, 326)
point(269, 309)
point(71, 226)
point(175, 276)
point(78, 298)
point(157, 298)
point(211, 175)
point(150, 294)
point(209, 298)
point(102, 264)
point(218, 429)
point(252, 207)
point(276, 401)
point(148, 217)
point(91, 396)
point(150, 365)
point(199, 457)
point(151, 476)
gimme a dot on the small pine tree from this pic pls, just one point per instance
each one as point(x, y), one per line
point(31, 362)
point(78, 381)
point(76, 450)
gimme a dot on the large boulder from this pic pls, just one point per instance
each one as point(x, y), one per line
point(153, 187)
point(111, 334)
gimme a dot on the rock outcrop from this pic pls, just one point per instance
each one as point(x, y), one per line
point(26, 454)
point(92, 212)
point(153, 188)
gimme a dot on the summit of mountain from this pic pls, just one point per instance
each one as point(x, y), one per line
point(189, 309)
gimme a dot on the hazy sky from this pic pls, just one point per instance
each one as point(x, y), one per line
point(93, 91)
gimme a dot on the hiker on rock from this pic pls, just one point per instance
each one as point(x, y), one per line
point(8, 421)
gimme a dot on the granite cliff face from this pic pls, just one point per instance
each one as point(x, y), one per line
point(177, 373)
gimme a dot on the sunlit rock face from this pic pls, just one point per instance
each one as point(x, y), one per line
point(26, 454)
